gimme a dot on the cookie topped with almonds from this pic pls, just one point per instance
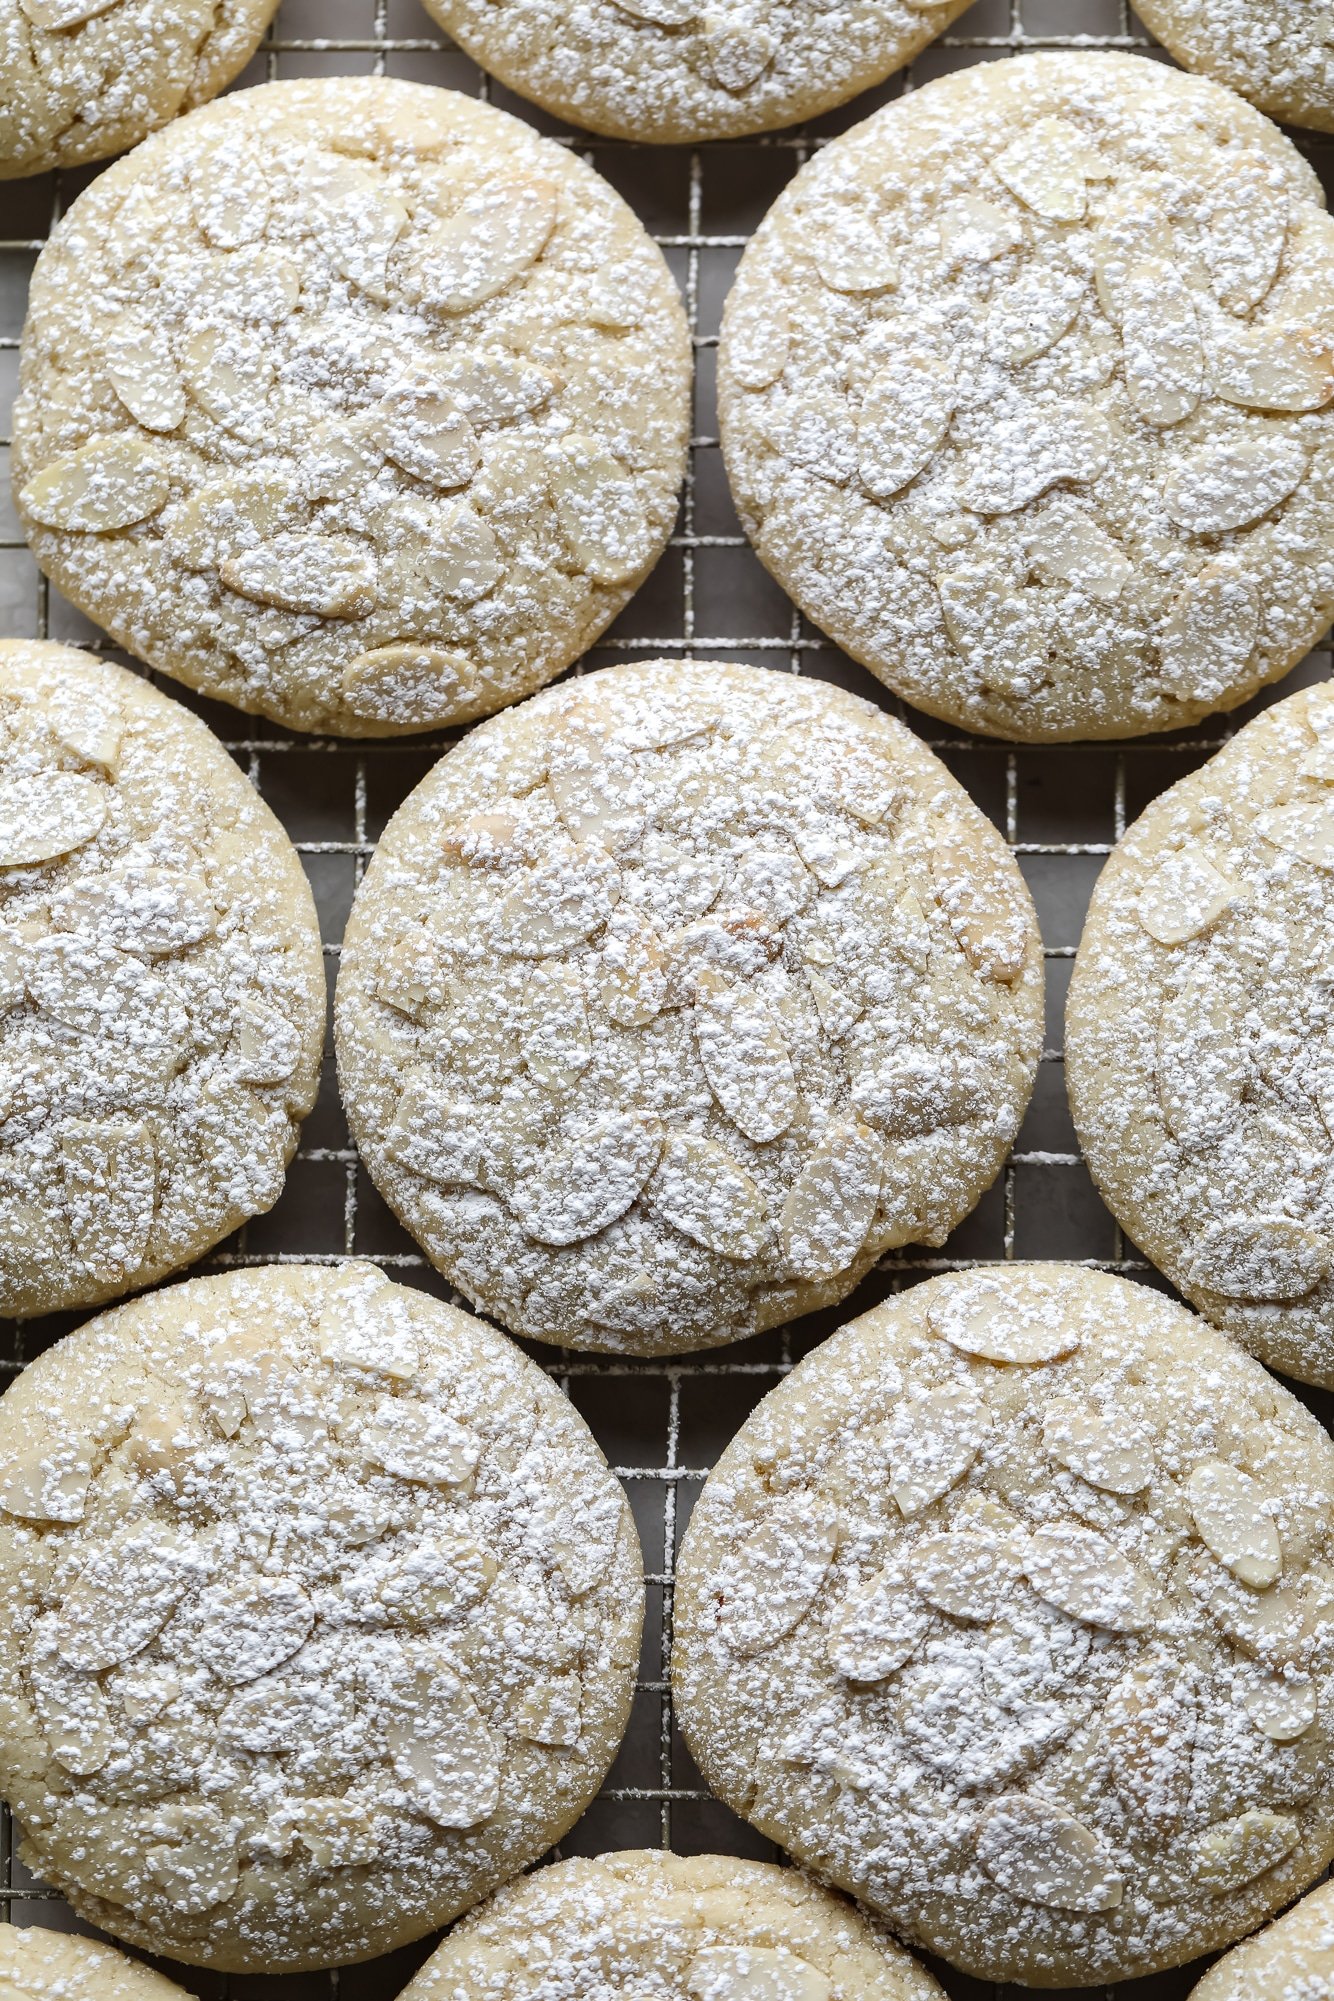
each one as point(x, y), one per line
point(1292, 1960)
point(162, 991)
point(1024, 389)
point(322, 1615)
point(685, 70)
point(1011, 1610)
point(1200, 1036)
point(38, 1965)
point(673, 999)
point(83, 78)
point(681, 1927)
point(352, 402)
point(1278, 53)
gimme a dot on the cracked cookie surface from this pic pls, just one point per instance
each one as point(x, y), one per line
point(162, 994)
point(322, 1611)
point(1200, 1036)
point(352, 402)
point(83, 78)
point(1278, 53)
point(684, 1928)
point(676, 997)
point(1011, 1611)
point(1024, 391)
point(40, 1965)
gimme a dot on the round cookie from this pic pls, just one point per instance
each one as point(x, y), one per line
point(1278, 53)
point(673, 999)
point(681, 70)
point(1292, 1960)
point(162, 993)
point(37, 1965)
point(1011, 1610)
point(1199, 1049)
point(352, 402)
point(83, 78)
point(1023, 389)
point(322, 1614)
point(683, 1927)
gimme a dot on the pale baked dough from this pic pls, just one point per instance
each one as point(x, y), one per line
point(678, 1927)
point(162, 994)
point(1024, 391)
point(38, 1965)
point(322, 1614)
point(1011, 1610)
point(1278, 53)
point(1199, 1049)
point(83, 78)
point(683, 70)
point(1293, 1960)
point(353, 402)
point(674, 998)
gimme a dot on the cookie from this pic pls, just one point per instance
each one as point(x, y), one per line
point(38, 1965)
point(1291, 1961)
point(83, 78)
point(1278, 53)
point(1024, 391)
point(1199, 1050)
point(1011, 1610)
point(352, 402)
point(322, 1616)
point(162, 992)
point(673, 999)
point(682, 70)
point(685, 1927)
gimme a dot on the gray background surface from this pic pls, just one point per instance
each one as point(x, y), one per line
point(661, 1424)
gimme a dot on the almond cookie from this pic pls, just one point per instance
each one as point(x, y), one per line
point(83, 78)
point(37, 1965)
point(1278, 53)
point(1011, 1610)
point(1023, 391)
point(162, 992)
point(1292, 1961)
point(1200, 1036)
point(685, 1928)
point(322, 1616)
point(684, 70)
point(673, 999)
point(352, 402)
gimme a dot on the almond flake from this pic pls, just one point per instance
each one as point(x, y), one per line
point(229, 195)
point(144, 376)
point(252, 1625)
point(109, 483)
point(853, 256)
point(418, 1443)
point(109, 1187)
point(998, 630)
point(978, 890)
point(1203, 1068)
point(1305, 829)
point(230, 378)
point(491, 386)
point(1114, 1454)
point(359, 220)
point(832, 1204)
point(1248, 227)
point(443, 1751)
point(330, 576)
point(758, 347)
point(1133, 230)
point(781, 1561)
point(362, 1326)
point(548, 1712)
point(552, 1024)
point(1081, 1573)
point(495, 235)
point(1282, 1710)
point(1274, 368)
point(1044, 169)
point(1148, 1729)
point(630, 973)
point(738, 51)
point(1210, 633)
point(435, 1578)
point(1236, 1851)
point(931, 1442)
point(1162, 354)
point(1031, 314)
point(165, 1440)
point(1184, 896)
point(1228, 1511)
point(875, 1628)
point(585, 1182)
point(437, 1135)
point(1227, 485)
point(1037, 1851)
point(1270, 1258)
point(1026, 453)
point(46, 814)
point(754, 1973)
point(266, 1048)
point(597, 502)
point(55, 15)
point(408, 683)
point(1066, 546)
point(155, 911)
point(904, 417)
point(981, 1316)
point(974, 231)
point(130, 1584)
point(73, 1713)
point(667, 13)
point(337, 1834)
point(424, 432)
point(198, 1875)
point(47, 1483)
point(839, 1011)
point(967, 1572)
point(709, 1197)
point(747, 1061)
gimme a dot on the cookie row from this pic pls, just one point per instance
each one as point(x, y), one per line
point(357, 404)
point(1010, 1611)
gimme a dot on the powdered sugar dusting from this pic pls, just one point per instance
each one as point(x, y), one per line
point(1279, 53)
point(39, 1965)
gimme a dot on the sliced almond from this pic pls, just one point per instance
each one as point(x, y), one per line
point(839, 1010)
point(559, 903)
point(362, 1326)
point(998, 630)
point(497, 233)
point(1066, 546)
point(143, 375)
point(1228, 1511)
point(978, 889)
point(875, 1628)
point(230, 378)
point(1210, 633)
point(47, 1481)
point(1203, 1066)
point(128, 1587)
point(55, 15)
point(602, 517)
point(587, 1181)
point(1044, 169)
point(1113, 1453)
point(266, 1047)
point(552, 1024)
point(739, 50)
point(229, 194)
point(758, 345)
point(1030, 315)
point(252, 1625)
point(707, 1195)
point(1230, 484)
point(931, 1442)
point(73, 1713)
point(747, 1061)
point(1247, 229)
point(667, 13)
point(109, 1188)
point(754, 1973)
point(424, 431)
point(1039, 1852)
point(359, 220)
point(419, 1443)
point(330, 576)
point(1133, 230)
point(967, 1572)
point(109, 483)
point(196, 1875)
point(1148, 1728)
point(1162, 354)
point(854, 254)
point(1028, 454)
point(980, 1316)
point(832, 1204)
point(1282, 1709)
point(904, 416)
point(973, 231)
point(781, 1562)
point(491, 386)
point(1081, 1573)
point(409, 683)
point(156, 911)
point(337, 1833)
point(1184, 896)
point(1236, 1851)
point(46, 814)
point(1270, 1258)
point(1305, 829)
point(1274, 368)
point(548, 1712)
point(437, 1576)
point(630, 972)
point(165, 1440)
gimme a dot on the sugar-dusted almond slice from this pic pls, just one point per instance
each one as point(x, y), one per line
point(1132, 230)
point(1247, 229)
point(1270, 1258)
point(975, 888)
point(157, 911)
point(1210, 633)
point(552, 1023)
point(56, 15)
point(930, 1442)
point(549, 1712)
point(359, 220)
point(265, 1046)
point(831, 1205)
point(1162, 353)
point(1305, 829)
point(424, 431)
point(71, 1708)
point(143, 375)
point(1026, 455)
point(46, 814)
point(1067, 546)
point(1030, 315)
point(667, 13)
point(1184, 896)
point(127, 1589)
point(443, 1750)
point(1274, 368)
point(198, 1874)
point(1281, 1707)
point(491, 386)
point(408, 682)
point(1228, 1510)
point(839, 1008)
point(997, 629)
point(330, 576)
point(336, 1833)
point(630, 973)
point(1235, 1852)
point(981, 1317)
point(1214, 487)
point(434, 1577)
point(494, 236)
point(165, 1440)
point(559, 903)
point(1148, 1728)
point(1203, 1065)
point(758, 348)
point(782, 1560)
point(1270, 1626)
point(856, 254)
point(252, 1625)
point(709, 1196)
point(1111, 1450)
point(231, 378)
point(904, 416)
point(109, 483)
point(603, 520)
point(419, 1443)
point(1044, 168)
point(739, 50)
point(974, 231)
point(1081, 1573)
point(47, 1482)
point(876, 1627)
point(754, 1973)
point(968, 1572)
point(1040, 1852)
point(586, 1181)
point(747, 1061)
point(108, 1170)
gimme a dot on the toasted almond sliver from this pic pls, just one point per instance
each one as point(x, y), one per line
point(1185, 895)
point(1030, 315)
point(1044, 169)
point(931, 1442)
point(419, 1443)
point(130, 1584)
point(109, 1186)
point(999, 631)
point(1081, 1573)
point(195, 1876)
point(230, 378)
point(709, 1196)
point(437, 1135)
point(443, 1750)
point(548, 1712)
point(360, 221)
point(1041, 1853)
point(967, 1572)
point(54, 15)
point(979, 892)
point(854, 256)
point(47, 814)
point(1227, 1507)
point(109, 483)
point(1230, 484)
point(1113, 1454)
point(974, 231)
point(904, 416)
point(831, 1205)
point(1066, 545)
point(73, 1712)
point(980, 1317)
point(252, 1625)
point(754, 1973)
point(552, 1024)
point(1023, 459)
point(1236, 1851)
point(330, 576)
point(781, 1562)
point(425, 432)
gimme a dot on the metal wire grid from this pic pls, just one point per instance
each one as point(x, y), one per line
point(1061, 809)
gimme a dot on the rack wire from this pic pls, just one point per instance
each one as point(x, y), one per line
point(1060, 808)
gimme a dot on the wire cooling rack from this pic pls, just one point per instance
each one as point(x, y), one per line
point(1060, 808)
